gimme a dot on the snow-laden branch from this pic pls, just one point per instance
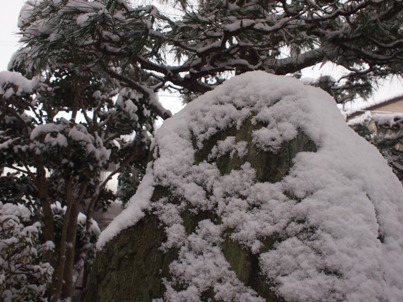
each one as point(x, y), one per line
point(149, 94)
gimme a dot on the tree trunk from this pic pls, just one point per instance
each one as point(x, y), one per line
point(85, 281)
point(57, 282)
point(68, 273)
point(71, 235)
point(49, 226)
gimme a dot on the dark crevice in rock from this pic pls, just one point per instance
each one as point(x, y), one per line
point(380, 236)
point(191, 219)
point(247, 268)
point(163, 192)
point(245, 264)
point(159, 192)
point(274, 166)
point(203, 153)
point(260, 285)
point(207, 295)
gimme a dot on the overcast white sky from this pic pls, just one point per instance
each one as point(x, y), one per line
point(8, 29)
point(9, 43)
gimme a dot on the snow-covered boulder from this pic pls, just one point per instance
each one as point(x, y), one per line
point(258, 191)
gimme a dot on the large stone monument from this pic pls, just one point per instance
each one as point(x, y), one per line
point(257, 191)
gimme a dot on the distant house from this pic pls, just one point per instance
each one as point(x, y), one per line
point(393, 105)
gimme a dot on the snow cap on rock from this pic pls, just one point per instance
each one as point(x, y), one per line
point(336, 217)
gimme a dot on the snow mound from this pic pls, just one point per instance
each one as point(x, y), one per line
point(337, 216)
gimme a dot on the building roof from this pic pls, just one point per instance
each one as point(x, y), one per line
point(376, 107)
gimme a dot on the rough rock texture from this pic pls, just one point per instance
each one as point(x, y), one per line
point(257, 191)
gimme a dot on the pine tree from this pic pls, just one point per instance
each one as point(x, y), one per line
point(148, 50)
point(58, 134)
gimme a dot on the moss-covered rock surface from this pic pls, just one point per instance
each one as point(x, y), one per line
point(257, 191)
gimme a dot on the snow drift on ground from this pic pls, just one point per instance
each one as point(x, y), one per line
point(339, 211)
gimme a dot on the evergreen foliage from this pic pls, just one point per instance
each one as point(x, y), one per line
point(58, 134)
point(24, 271)
point(385, 132)
point(137, 44)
